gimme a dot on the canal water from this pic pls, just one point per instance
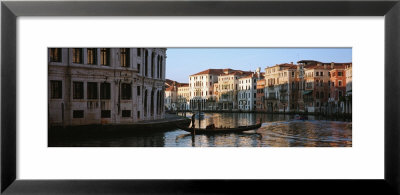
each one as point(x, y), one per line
point(276, 131)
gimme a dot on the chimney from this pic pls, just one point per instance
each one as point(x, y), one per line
point(332, 65)
point(291, 62)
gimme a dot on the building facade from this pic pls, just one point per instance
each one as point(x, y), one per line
point(183, 96)
point(337, 90)
point(202, 89)
point(228, 88)
point(105, 85)
point(260, 96)
point(171, 98)
point(248, 91)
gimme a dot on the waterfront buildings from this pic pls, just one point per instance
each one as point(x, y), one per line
point(308, 86)
point(228, 88)
point(248, 91)
point(279, 80)
point(183, 96)
point(260, 96)
point(317, 86)
point(201, 87)
point(171, 97)
point(105, 85)
point(337, 89)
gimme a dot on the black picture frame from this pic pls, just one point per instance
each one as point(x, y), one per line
point(10, 10)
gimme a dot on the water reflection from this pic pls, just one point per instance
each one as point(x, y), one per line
point(276, 131)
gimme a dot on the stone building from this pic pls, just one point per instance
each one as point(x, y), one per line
point(248, 91)
point(337, 89)
point(105, 85)
point(279, 82)
point(201, 87)
point(228, 88)
point(317, 82)
point(183, 96)
point(260, 96)
point(171, 98)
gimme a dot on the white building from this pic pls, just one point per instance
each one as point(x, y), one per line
point(248, 91)
point(202, 89)
point(105, 85)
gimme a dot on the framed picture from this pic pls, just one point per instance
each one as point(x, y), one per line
point(235, 102)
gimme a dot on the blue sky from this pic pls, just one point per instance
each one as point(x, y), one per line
point(182, 62)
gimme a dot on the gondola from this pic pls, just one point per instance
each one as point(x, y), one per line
point(218, 130)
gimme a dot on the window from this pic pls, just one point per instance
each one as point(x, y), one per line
point(92, 56)
point(138, 90)
point(105, 56)
point(138, 114)
point(77, 90)
point(56, 89)
point(55, 55)
point(292, 74)
point(105, 91)
point(126, 113)
point(317, 74)
point(91, 90)
point(138, 51)
point(106, 114)
point(322, 73)
point(126, 91)
point(340, 83)
point(77, 56)
point(124, 57)
point(138, 68)
point(77, 114)
point(340, 74)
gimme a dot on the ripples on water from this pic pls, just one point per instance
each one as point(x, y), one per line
point(276, 131)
